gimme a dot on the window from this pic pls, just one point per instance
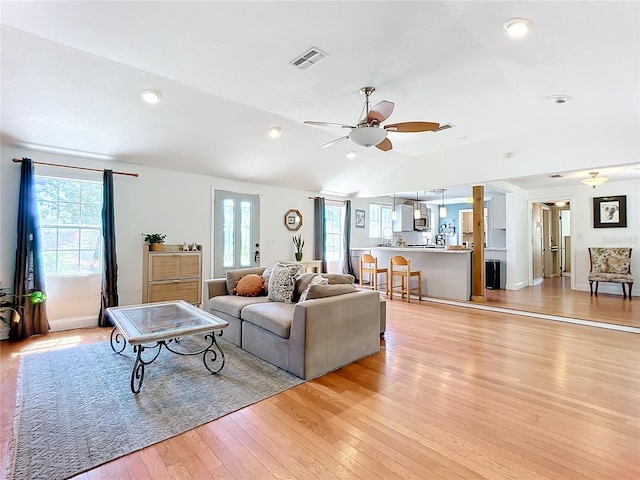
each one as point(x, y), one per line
point(70, 225)
point(333, 222)
point(379, 220)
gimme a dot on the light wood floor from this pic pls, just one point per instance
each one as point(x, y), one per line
point(555, 297)
point(458, 393)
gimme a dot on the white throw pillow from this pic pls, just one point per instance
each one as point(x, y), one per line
point(317, 280)
point(282, 283)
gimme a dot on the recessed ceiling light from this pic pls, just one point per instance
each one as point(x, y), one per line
point(350, 155)
point(274, 132)
point(560, 98)
point(151, 96)
point(518, 27)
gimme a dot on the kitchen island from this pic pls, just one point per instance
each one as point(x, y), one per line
point(445, 273)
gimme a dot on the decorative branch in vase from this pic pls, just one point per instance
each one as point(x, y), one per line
point(299, 243)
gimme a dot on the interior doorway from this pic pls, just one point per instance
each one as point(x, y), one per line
point(551, 240)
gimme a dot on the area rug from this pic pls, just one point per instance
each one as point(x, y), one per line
point(75, 409)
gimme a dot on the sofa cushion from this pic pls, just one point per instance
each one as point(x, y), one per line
point(275, 317)
point(266, 275)
point(316, 280)
point(302, 283)
point(282, 282)
point(339, 278)
point(250, 285)
point(233, 304)
point(322, 291)
point(234, 275)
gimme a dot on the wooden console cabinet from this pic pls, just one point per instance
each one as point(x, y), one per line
point(172, 274)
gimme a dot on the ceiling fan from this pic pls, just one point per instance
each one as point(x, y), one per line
point(368, 132)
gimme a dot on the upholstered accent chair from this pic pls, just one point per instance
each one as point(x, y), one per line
point(610, 264)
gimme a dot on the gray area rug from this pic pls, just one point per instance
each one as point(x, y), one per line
point(75, 409)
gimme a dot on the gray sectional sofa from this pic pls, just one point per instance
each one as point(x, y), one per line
point(334, 326)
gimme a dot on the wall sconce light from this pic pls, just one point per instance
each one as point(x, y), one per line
point(594, 181)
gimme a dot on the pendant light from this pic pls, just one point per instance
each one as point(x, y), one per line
point(443, 209)
point(416, 212)
point(394, 215)
point(594, 181)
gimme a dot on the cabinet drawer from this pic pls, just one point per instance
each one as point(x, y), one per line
point(187, 290)
point(171, 265)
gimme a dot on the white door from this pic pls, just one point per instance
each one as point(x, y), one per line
point(236, 231)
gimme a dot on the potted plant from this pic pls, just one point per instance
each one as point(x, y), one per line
point(155, 240)
point(10, 306)
point(299, 243)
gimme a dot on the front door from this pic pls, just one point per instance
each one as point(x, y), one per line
point(236, 231)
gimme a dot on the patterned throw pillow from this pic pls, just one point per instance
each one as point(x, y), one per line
point(249, 285)
point(282, 283)
point(317, 280)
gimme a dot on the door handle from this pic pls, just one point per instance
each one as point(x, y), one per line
point(256, 256)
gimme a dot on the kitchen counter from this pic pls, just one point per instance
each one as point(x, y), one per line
point(445, 273)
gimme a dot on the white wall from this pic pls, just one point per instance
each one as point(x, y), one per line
point(583, 235)
point(174, 203)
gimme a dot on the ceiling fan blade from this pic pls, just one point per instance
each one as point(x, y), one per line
point(380, 111)
point(333, 142)
point(411, 127)
point(385, 145)
point(329, 124)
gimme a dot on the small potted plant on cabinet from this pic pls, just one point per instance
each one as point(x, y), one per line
point(155, 240)
point(299, 243)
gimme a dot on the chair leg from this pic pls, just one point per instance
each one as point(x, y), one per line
point(597, 283)
point(591, 288)
point(419, 287)
point(630, 286)
point(624, 291)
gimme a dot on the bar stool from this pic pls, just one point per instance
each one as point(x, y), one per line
point(401, 267)
point(369, 264)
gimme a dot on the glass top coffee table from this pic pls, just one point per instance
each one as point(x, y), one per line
point(151, 326)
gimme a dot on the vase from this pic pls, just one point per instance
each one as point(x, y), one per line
point(298, 257)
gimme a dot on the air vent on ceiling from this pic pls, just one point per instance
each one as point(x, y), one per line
point(555, 175)
point(444, 126)
point(309, 58)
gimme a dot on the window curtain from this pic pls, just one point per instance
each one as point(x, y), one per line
point(110, 267)
point(320, 240)
point(29, 272)
point(347, 265)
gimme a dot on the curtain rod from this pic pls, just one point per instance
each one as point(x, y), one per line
point(19, 160)
point(328, 199)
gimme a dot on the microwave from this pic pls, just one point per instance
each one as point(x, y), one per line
point(420, 224)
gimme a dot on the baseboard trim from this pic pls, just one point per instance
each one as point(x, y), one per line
point(73, 323)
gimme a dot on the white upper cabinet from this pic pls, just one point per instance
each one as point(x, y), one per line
point(498, 209)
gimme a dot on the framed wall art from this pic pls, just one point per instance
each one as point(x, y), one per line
point(610, 212)
point(359, 218)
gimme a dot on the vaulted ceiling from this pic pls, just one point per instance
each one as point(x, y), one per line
point(72, 73)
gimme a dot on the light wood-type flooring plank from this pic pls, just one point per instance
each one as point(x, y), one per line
point(456, 393)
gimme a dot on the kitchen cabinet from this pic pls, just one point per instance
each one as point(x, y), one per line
point(404, 218)
point(498, 216)
point(172, 274)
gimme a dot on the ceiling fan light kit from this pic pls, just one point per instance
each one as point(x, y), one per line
point(368, 132)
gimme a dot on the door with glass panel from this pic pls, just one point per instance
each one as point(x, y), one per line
point(236, 231)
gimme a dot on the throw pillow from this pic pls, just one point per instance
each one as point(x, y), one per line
point(302, 282)
point(316, 280)
point(249, 285)
point(266, 275)
point(282, 283)
point(233, 276)
point(323, 291)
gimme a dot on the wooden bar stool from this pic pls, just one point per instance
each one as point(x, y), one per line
point(369, 265)
point(401, 267)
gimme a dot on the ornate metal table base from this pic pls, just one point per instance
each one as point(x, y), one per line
point(213, 360)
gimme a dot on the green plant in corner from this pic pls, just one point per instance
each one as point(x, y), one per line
point(9, 305)
point(299, 243)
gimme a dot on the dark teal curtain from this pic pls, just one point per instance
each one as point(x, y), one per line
point(29, 272)
point(110, 267)
point(319, 237)
point(347, 265)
